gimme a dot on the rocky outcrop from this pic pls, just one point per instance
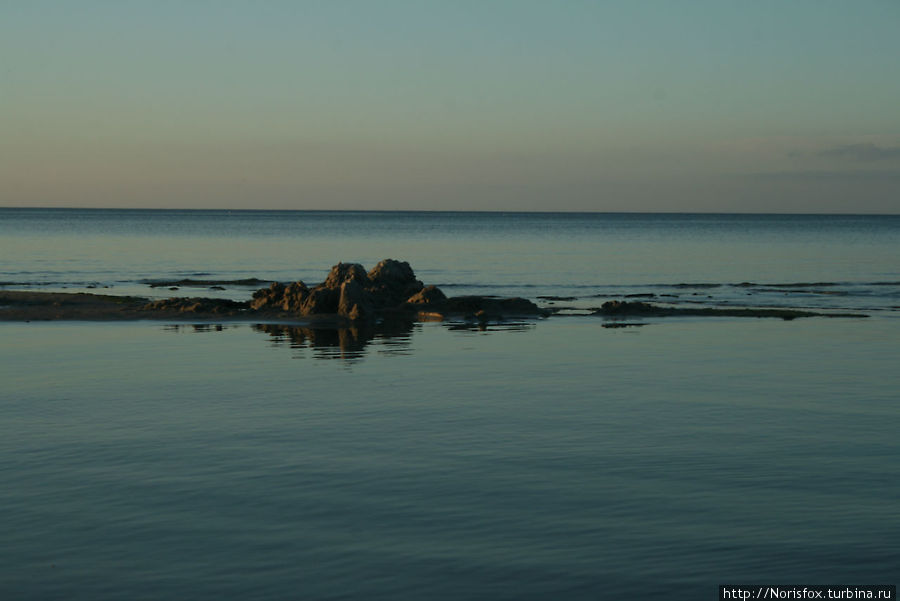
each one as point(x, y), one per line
point(346, 272)
point(294, 296)
point(349, 297)
point(491, 307)
point(390, 288)
point(280, 297)
point(393, 282)
point(617, 307)
point(355, 302)
point(428, 295)
point(348, 291)
point(320, 301)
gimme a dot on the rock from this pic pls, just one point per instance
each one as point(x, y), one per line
point(390, 287)
point(355, 302)
point(427, 295)
point(321, 300)
point(392, 282)
point(493, 306)
point(280, 297)
point(467, 305)
point(616, 307)
point(519, 306)
point(391, 270)
point(344, 272)
point(267, 298)
point(346, 291)
point(215, 306)
point(294, 296)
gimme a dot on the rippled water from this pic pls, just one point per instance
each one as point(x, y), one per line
point(545, 459)
point(855, 258)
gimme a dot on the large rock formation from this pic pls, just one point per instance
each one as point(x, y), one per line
point(348, 291)
point(391, 287)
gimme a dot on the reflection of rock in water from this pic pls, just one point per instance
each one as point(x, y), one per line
point(488, 326)
point(342, 343)
point(199, 327)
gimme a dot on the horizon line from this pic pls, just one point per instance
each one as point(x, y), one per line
point(459, 211)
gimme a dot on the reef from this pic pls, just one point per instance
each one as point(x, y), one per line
point(617, 308)
point(350, 295)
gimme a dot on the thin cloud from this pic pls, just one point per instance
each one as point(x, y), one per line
point(854, 176)
point(862, 152)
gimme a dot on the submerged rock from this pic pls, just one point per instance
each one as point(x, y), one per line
point(616, 308)
point(213, 306)
point(492, 307)
point(204, 283)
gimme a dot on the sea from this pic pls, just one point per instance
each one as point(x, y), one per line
point(568, 457)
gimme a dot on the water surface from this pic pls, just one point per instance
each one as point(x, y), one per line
point(540, 459)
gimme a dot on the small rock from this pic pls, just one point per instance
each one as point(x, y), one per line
point(427, 295)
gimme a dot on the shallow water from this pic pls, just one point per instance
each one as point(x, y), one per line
point(553, 458)
point(588, 255)
point(558, 459)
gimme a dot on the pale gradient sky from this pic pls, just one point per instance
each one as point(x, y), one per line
point(784, 106)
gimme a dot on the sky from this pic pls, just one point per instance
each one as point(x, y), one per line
point(724, 106)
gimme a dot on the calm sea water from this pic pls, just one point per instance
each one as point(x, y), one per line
point(551, 459)
point(526, 254)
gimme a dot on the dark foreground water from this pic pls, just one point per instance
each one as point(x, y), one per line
point(551, 459)
point(561, 461)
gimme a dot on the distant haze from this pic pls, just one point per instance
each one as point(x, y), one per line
point(765, 106)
